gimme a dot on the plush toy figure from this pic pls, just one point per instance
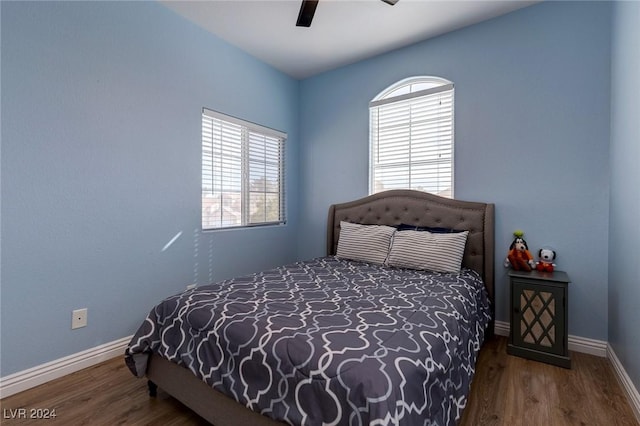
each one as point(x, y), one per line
point(546, 256)
point(519, 257)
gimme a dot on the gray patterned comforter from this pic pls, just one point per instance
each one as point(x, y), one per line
point(328, 341)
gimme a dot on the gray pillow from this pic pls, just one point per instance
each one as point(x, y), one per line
point(368, 243)
point(426, 250)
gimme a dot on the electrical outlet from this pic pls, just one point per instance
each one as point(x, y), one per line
point(190, 286)
point(79, 318)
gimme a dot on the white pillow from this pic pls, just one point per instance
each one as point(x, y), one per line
point(368, 243)
point(426, 250)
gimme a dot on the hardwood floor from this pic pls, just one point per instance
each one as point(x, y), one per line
point(509, 390)
point(506, 390)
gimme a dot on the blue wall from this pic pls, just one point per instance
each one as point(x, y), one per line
point(624, 226)
point(531, 135)
point(101, 107)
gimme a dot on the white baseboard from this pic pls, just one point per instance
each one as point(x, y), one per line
point(576, 343)
point(43, 373)
point(588, 346)
point(501, 328)
point(632, 393)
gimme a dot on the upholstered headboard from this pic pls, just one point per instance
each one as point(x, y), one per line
point(422, 209)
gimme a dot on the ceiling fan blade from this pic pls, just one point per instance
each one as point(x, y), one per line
point(307, 10)
point(391, 2)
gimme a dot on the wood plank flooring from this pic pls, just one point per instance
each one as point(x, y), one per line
point(506, 391)
point(509, 390)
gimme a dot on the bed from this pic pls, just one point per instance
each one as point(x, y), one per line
point(334, 340)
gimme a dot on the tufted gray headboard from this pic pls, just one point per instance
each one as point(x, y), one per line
point(422, 209)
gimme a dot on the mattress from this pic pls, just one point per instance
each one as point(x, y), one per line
point(328, 341)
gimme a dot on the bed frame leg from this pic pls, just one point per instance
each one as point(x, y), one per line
point(153, 389)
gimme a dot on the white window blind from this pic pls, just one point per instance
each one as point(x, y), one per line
point(242, 173)
point(411, 137)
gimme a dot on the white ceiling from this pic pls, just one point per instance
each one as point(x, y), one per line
point(342, 32)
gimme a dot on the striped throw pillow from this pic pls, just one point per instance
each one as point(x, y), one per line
point(426, 250)
point(368, 243)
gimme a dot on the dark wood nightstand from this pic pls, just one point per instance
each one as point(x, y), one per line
point(539, 316)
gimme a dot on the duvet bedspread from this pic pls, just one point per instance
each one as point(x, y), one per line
point(328, 341)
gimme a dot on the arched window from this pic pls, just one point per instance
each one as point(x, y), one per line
point(411, 137)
